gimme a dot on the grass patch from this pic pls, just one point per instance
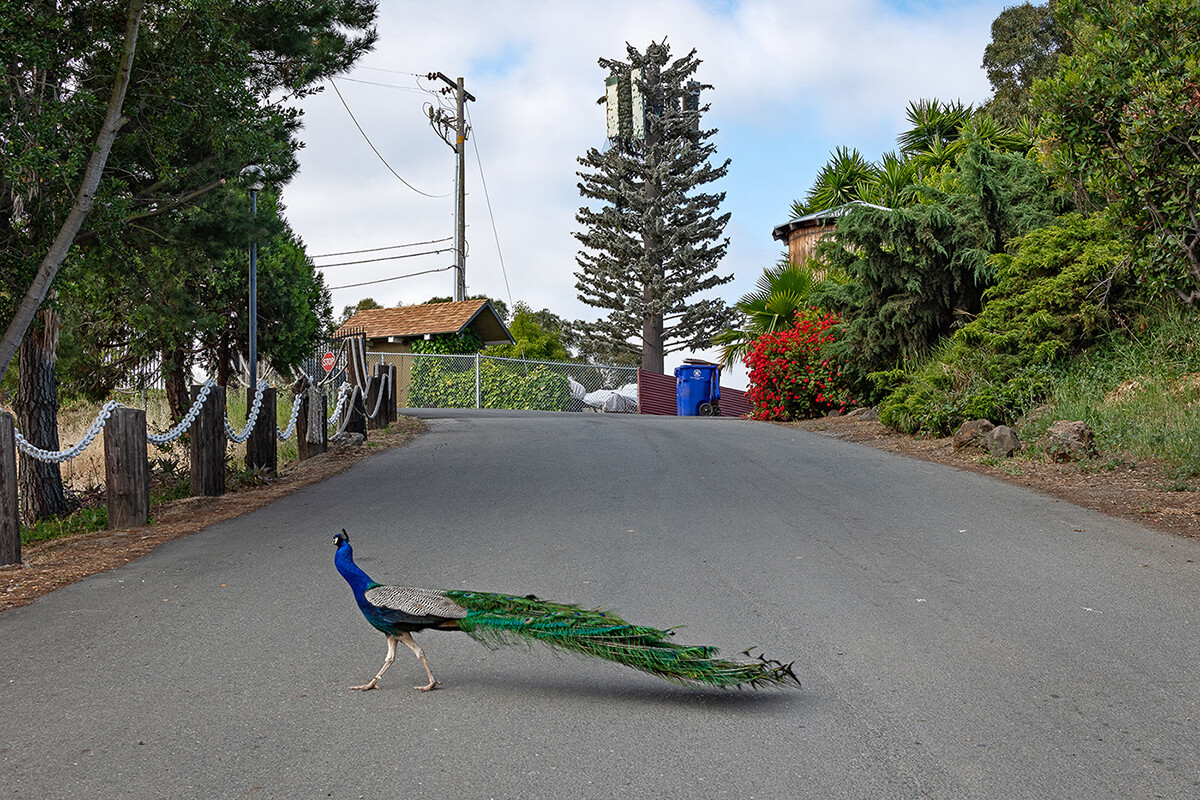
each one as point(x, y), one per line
point(85, 520)
point(1139, 390)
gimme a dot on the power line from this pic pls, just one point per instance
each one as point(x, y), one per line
point(483, 183)
point(385, 258)
point(398, 277)
point(377, 249)
point(413, 89)
point(392, 71)
point(377, 153)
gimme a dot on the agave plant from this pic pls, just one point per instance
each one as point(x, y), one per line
point(779, 293)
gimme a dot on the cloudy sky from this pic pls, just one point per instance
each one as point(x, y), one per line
point(793, 79)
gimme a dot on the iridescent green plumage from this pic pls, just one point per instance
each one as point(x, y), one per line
point(498, 619)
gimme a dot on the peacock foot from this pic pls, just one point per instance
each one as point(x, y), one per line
point(366, 686)
point(429, 687)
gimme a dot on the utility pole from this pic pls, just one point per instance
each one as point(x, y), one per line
point(459, 123)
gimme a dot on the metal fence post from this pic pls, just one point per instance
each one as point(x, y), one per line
point(478, 392)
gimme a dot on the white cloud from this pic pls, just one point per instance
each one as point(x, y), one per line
point(792, 80)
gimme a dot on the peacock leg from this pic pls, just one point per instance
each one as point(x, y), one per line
point(387, 662)
point(419, 653)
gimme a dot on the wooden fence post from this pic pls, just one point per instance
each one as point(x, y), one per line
point(357, 422)
point(10, 522)
point(262, 448)
point(374, 400)
point(126, 469)
point(306, 449)
point(393, 398)
point(208, 444)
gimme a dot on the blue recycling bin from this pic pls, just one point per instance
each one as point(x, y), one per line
point(698, 390)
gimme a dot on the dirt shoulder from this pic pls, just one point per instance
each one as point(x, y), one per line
point(51, 565)
point(1136, 492)
point(1133, 491)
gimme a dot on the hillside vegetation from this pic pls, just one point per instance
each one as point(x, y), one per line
point(1033, 259)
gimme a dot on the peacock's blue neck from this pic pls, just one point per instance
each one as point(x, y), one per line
point(344, 561)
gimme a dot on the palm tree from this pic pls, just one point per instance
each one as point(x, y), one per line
point(779, 293)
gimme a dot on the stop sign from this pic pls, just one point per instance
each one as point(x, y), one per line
point(327, 362)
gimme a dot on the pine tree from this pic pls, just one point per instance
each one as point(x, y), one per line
point(653, 243)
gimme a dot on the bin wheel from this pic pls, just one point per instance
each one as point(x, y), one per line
point(708, 409)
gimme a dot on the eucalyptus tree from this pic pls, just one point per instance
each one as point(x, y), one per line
point(653, 241)
point(1027, 40)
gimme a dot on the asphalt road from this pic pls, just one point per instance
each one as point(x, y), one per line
point(956, 637)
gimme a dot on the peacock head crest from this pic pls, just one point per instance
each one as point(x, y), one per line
point(341, 538)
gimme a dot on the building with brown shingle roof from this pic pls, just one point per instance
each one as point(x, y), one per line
point(392, 330)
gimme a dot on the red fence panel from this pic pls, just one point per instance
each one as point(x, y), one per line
point(735, 403)
point(656, 395)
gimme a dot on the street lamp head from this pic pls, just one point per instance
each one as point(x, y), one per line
point(252, 176)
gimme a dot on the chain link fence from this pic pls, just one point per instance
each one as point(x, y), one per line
point(482, 381)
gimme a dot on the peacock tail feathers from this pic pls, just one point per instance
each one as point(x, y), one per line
point(499, 619)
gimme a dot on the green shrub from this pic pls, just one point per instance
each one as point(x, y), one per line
point(1053, 296)
point(450, 383)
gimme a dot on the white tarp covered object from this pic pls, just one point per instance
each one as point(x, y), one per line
point(622, 400)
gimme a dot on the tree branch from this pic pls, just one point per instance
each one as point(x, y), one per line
point(84, 200)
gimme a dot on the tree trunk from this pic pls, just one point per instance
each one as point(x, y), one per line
point(222, 359)
point(84, 199)
point(177, 383)
point(652, 320)
point(36, 404)
point(652, 341)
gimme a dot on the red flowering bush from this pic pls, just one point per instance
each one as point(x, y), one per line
point(792, 376)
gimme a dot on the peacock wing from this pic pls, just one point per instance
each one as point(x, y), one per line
point(427, 605)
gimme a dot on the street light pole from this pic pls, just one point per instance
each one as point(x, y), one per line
point(253, 176)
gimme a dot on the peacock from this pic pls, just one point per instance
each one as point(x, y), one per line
point(500, 619)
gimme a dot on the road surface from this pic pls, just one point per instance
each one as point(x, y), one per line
point(956, 637)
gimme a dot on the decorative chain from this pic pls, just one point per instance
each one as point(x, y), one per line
point(188, 418)
point(284, 435)
point(343, 394)
point(251, 418)
point(58, 456)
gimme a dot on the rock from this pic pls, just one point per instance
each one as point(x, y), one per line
point(1070, 441)
point(971, 433)
point(1002, 442)
point(346, 439)
point(865, 414)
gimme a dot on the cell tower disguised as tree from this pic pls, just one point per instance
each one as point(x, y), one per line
point(653, 239)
